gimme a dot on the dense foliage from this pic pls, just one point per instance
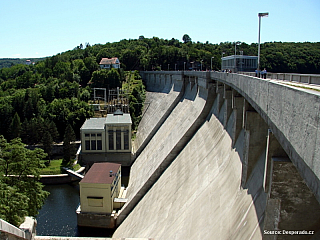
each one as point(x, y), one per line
point(20, 194)
point(8, 62)
point(136, 95)
point(33, 105)
point(156, 53)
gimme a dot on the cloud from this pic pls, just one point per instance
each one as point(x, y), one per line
point(16, 55)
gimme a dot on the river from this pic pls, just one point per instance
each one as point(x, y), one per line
point(57, 217)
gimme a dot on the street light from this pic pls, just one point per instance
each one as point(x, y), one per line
point(235, 54)
point(201, 64)
point(260, 15)
point(184, 66)
point(222, 60)
point(211, 62)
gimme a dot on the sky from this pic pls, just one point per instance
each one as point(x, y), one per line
point(40, 28)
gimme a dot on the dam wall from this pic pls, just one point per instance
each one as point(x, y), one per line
point(163, 94)
point(168, 140)
point(215, 169)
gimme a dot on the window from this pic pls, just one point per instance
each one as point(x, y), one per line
point(95, 201)
point(99, 144)
point(87, 144)
point(93, 144)
point(118, 139)
point(93, 141)
point(110, 138)
point(126, 139)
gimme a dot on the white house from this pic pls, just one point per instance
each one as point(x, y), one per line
point(107, 63)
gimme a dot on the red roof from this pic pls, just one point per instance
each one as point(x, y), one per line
point(106, 61)
point(100, 173)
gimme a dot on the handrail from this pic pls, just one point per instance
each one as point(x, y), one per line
point(292, 77)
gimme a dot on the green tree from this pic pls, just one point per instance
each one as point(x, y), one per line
point(47, 142)
point(99, 78)
point(20, 194)
point(68, 148)
point(6, 112)
point(15, 126)
point(186, 38)
point(113, 78)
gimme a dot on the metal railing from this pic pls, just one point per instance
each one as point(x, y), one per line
point(292, 77)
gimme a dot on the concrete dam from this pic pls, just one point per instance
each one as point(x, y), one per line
point(224, 156)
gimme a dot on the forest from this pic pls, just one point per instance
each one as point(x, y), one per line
point(163, 54)
point(48, 101)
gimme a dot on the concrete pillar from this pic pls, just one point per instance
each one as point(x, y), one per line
point(274, 150)
point(227, 96)
point(237, 108)
point(220, 92)
point(192, 81)
point(256, 131)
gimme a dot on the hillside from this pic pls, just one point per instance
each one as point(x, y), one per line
point(8, 62)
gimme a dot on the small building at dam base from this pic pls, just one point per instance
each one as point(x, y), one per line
point(100, 196)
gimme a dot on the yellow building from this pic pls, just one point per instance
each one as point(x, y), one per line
point(98, 189)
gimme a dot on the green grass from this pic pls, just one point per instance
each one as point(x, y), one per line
point(76, 167)
point(53, 168)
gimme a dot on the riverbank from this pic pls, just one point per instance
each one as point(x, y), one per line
point(59, 178)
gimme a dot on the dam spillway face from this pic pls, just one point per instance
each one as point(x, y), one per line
point(208, 166)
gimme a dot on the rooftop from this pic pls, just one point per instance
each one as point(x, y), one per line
point(106, 61)
point(118, 118)
point(99, 173)
point(94, 123)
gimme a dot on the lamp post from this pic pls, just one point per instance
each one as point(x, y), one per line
point(201, 64)
point(184, 66)
point(260, 15)
point(211, 62)
point(222, 60)
point(235, 54)
point(175, 67)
